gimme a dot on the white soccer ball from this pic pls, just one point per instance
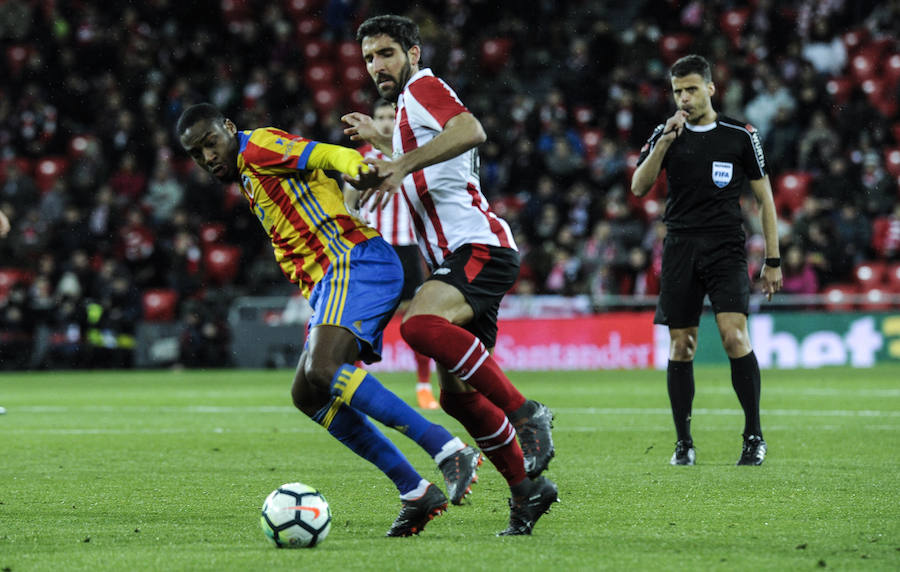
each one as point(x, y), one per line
point(295, 516)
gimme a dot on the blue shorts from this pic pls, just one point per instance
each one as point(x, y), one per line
point(359, 293)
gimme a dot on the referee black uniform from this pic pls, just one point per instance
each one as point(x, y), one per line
point(707, 168)
point(709, 161)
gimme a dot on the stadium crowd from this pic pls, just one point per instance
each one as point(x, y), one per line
point(112, 223)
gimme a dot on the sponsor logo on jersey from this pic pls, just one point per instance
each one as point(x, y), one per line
point(441, 271)
point(722, 173)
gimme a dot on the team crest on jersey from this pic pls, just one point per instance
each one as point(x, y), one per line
point(245, 182)
point(722, 173)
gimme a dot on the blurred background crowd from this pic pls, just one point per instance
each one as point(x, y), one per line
point(112, 224)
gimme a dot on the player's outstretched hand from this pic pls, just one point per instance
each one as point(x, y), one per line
point(360, 127)
point(771, 280)
point(367, 179)
point(391, 178)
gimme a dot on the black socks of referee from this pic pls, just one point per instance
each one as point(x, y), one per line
point(680, 382)
point(746, 382)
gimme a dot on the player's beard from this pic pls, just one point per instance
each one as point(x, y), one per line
point(392, 93)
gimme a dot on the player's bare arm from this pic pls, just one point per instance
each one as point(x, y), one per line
point(361, 127)
point(770, 276)
point(647, 172)
point(461, 133)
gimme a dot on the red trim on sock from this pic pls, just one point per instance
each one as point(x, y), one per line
point(448, 345)
point(490, 428)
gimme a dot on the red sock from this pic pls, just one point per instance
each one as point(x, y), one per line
point(423, 367)
point(492, 431)
point(463, 355)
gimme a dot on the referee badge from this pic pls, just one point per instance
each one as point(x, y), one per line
point(721, 173)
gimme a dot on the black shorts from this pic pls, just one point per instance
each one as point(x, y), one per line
point(484, 274)
point(413, 273)
point(694, 266)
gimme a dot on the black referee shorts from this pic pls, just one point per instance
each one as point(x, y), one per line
point(484, 274)
point(413, 273)
point(696, 266)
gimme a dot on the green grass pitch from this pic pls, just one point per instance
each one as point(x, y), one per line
point(168, 470)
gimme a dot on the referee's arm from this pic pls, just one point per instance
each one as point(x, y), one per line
point(771, 276)
point(646, 173)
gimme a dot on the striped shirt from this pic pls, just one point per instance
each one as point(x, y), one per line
point(393, 221)
point(445, 199)
point(301, 210)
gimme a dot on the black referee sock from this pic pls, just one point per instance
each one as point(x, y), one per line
point(680, 381)
point(746, 382)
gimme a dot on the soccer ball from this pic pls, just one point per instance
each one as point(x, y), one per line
point(295, 516)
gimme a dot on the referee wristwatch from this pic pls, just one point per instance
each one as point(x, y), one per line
point(773, 262)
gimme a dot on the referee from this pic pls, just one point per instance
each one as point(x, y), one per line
point(708, 160)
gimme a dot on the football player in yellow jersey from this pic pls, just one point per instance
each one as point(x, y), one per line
point(353, 280)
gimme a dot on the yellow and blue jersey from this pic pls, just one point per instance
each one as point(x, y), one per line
point(300, 207)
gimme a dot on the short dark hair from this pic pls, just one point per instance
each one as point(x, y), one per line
point(195, 113)
point(382, 102)
point(692, 64)
point(401, 29)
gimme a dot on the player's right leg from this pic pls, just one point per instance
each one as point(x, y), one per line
point(452, 319)
point(495, 435)
point(680, 385)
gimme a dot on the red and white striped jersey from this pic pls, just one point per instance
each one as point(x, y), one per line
point(445, 199)
point(393, 221)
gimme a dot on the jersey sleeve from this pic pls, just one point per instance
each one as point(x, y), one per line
point(753, 157)
point(651, 142)
point(274, 151)
point(437, 103)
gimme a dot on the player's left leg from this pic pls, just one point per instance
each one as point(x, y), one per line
point(745, 378)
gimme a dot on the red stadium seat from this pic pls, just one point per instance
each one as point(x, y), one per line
point(855, 39)
point(591, 139)
point(360, 100)
point(11, 276)
point(221, 262)
point(495, 53)
point(864, 66)
point(837, 297)
point(892, 275)
point(673, 46)
point(891, 70)
point(301, 8)
point(733, 22)
point(349, 52)
point(316, 51)
point(48, 170)
point(354, 77)
point(791, 189)
point(326, 99)
point(870, 274)
point(840, 89)
point(892, 161)
point(875, 300)
point(320, 75)
point(309, 27)
point(880, 96)
point(211, 233)
point(159, 304)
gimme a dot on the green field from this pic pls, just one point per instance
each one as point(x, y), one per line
point(167, 471)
